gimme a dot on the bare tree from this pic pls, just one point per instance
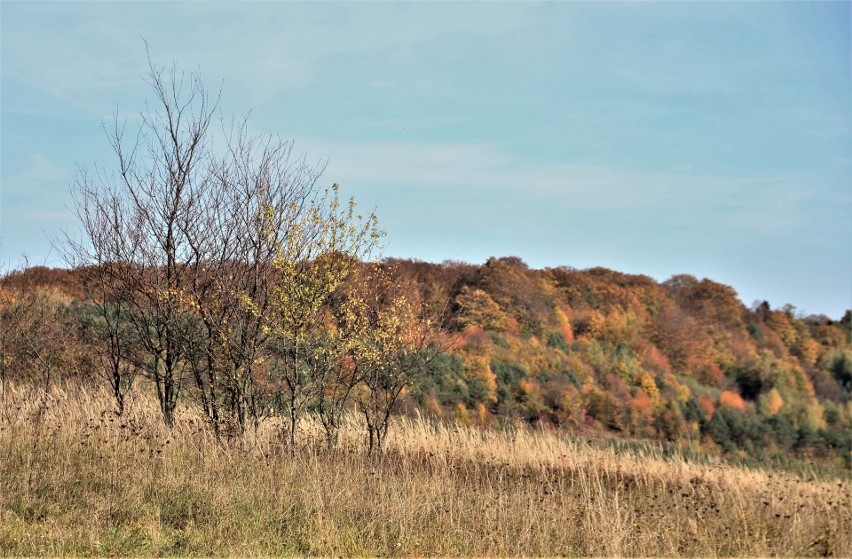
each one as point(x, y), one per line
point(35, 345)
point(335, 376)
point(99, 260)
point(14, 315)
point(134, 239)
point(260, 192)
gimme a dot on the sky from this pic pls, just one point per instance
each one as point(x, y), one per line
point(706, 138)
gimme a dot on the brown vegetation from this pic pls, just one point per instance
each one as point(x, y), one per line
point(76, 479)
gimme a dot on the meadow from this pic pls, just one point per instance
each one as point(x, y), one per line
point(77, 479)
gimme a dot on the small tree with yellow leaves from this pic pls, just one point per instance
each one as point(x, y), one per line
point(313, 264)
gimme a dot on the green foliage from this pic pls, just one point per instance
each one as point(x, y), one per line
point(498, 340)
point(557, 340)
point(693, 412)
point(718, 429)
point(476, 391)
point(509, 374)
point(755, 332)
point(444, 374)
point(839, 363)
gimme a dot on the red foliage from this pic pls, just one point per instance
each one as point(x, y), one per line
point(711, 374)
point(475, 337)
point(656, 361)
point(568, 334)
point(707, 405)
point(641, 413)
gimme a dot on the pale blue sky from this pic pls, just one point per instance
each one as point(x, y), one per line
point(713, 139)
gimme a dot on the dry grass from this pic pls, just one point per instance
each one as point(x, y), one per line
point(77, 480)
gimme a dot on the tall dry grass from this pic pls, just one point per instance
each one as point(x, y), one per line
point(77, 480)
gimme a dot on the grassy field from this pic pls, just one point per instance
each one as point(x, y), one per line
point(77, 480)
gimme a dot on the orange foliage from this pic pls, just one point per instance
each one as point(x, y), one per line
point(527, 388)
point(564, 326)
point(481, 415)
point(681, 337)
point(641, 413)
point(513, 328)
point(732, 400)
point(568, 334)
point(810, 351)
point(656, 361)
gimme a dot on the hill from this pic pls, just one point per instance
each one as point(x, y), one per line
point(595, 353)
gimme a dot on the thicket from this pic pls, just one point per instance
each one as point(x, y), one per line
point(211, 265)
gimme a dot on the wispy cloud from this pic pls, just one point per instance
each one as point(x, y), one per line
point(32, 207)
point(266, 49)
point(469, 173)
point(38, 178)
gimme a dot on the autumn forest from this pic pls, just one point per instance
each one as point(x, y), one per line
point(588, 352)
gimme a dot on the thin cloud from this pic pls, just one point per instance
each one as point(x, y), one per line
point(466, 173)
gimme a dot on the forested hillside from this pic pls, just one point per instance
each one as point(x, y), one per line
point(595, 353)
point(598, 350)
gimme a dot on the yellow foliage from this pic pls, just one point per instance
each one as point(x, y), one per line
point(481, 415)
point(479, 367)
point(479, 309)
point(784, 327)
point(596, 325)
point(773, 402)
point(462, 417)
point(649, 386)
